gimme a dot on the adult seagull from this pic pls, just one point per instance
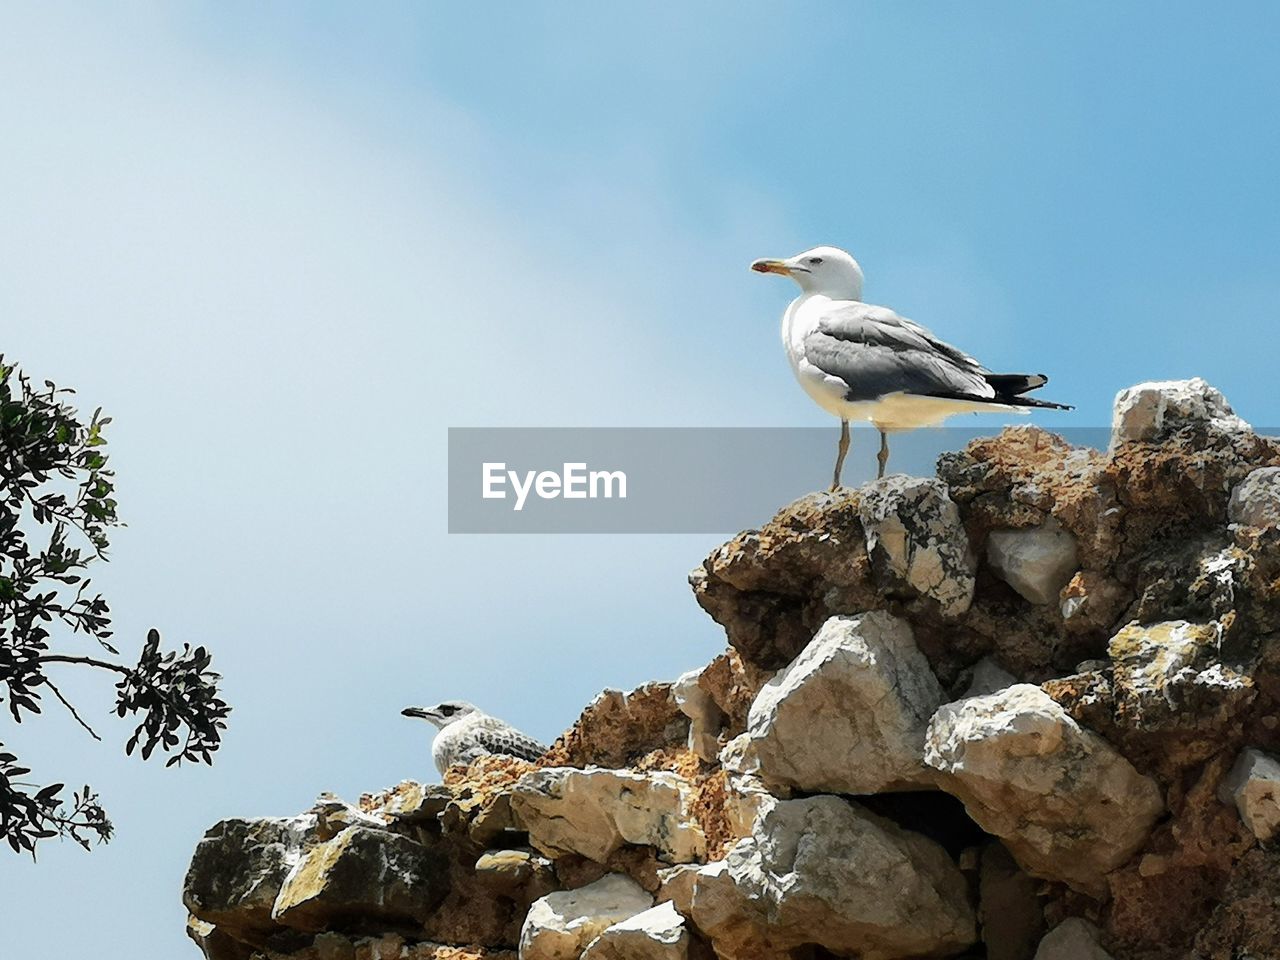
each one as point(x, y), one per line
point(863, 362)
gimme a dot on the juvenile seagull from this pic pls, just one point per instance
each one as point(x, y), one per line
point(467, 733)
point(863, 362)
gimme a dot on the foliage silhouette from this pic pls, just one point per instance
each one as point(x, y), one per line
point(57, 504)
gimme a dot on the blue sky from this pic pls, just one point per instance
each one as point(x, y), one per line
point(287, 247)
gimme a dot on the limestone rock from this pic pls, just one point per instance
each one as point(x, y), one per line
point(560, 925)
point(520, 872)
point(1255, 501)
point(914, 535)
point(618, 727)
point(848, 715)
point(216, 944)
point(705, 717)
point(771, 588)
point(747, 798)
point(732, 683)
point(655, 934)
point(1149, 411)
point(1091, 602)
point(1164, 677)
point(411, 802)
point(676, 886)
point(333, 815)
point(238, 868)
point(362, 878)
point(1037, 561)
point(1253, 786)
point(480, 799)
point(1072, 939)
point(1065, 803)
point(594, 812)
point(817, 871)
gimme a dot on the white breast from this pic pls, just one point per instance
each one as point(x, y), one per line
point(801, 319)
point(449, 744)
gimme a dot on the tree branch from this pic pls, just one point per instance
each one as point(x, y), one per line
point(87, 661)
point(66, 703)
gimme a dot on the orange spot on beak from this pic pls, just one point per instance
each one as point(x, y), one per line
point(771, 266)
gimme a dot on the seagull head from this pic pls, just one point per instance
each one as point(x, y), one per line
point(442, 714)
point(825, 270)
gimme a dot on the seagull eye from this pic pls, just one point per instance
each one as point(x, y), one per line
point(814, 261)
point(448, 711)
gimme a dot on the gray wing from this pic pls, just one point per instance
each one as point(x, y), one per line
point(876, 352)
point(506, 741)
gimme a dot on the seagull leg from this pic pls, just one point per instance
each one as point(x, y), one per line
point(840, 452)
point(883, 456)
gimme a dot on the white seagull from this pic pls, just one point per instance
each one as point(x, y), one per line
point(466, 732)
point(863, 362)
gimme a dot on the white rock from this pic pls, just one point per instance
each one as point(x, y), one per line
point(1255, 502)
point(914, 529)
point(1037, 562)
point(596, 811)
point(560, 925)
point(372, 873)
point(1253, 785)
point(825, 871)
point(1065, 803)
point(1148, 410)
point(656, 934)
point(705, 718)
point(1072, 939)
point(848, 715)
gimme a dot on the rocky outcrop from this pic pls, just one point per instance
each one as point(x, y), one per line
point(916, 541)
point(846, 716)
point(364, 878)
point(827, 872)
point(1023, 709)
point(560, 926)
point(619, 727)
point(1152, 411)
point(237, 871)
point(595, 812)
point(1063, 801)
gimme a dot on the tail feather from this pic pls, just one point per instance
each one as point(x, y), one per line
point(1015, 384)
point(1010, 387)
point(1033, 402)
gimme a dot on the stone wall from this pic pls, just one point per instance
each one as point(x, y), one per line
point(1024, 709)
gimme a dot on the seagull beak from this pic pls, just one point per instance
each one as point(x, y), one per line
point(772, 266)
point(418, 712)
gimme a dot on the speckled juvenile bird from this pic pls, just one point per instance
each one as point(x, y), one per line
point(466, 732)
